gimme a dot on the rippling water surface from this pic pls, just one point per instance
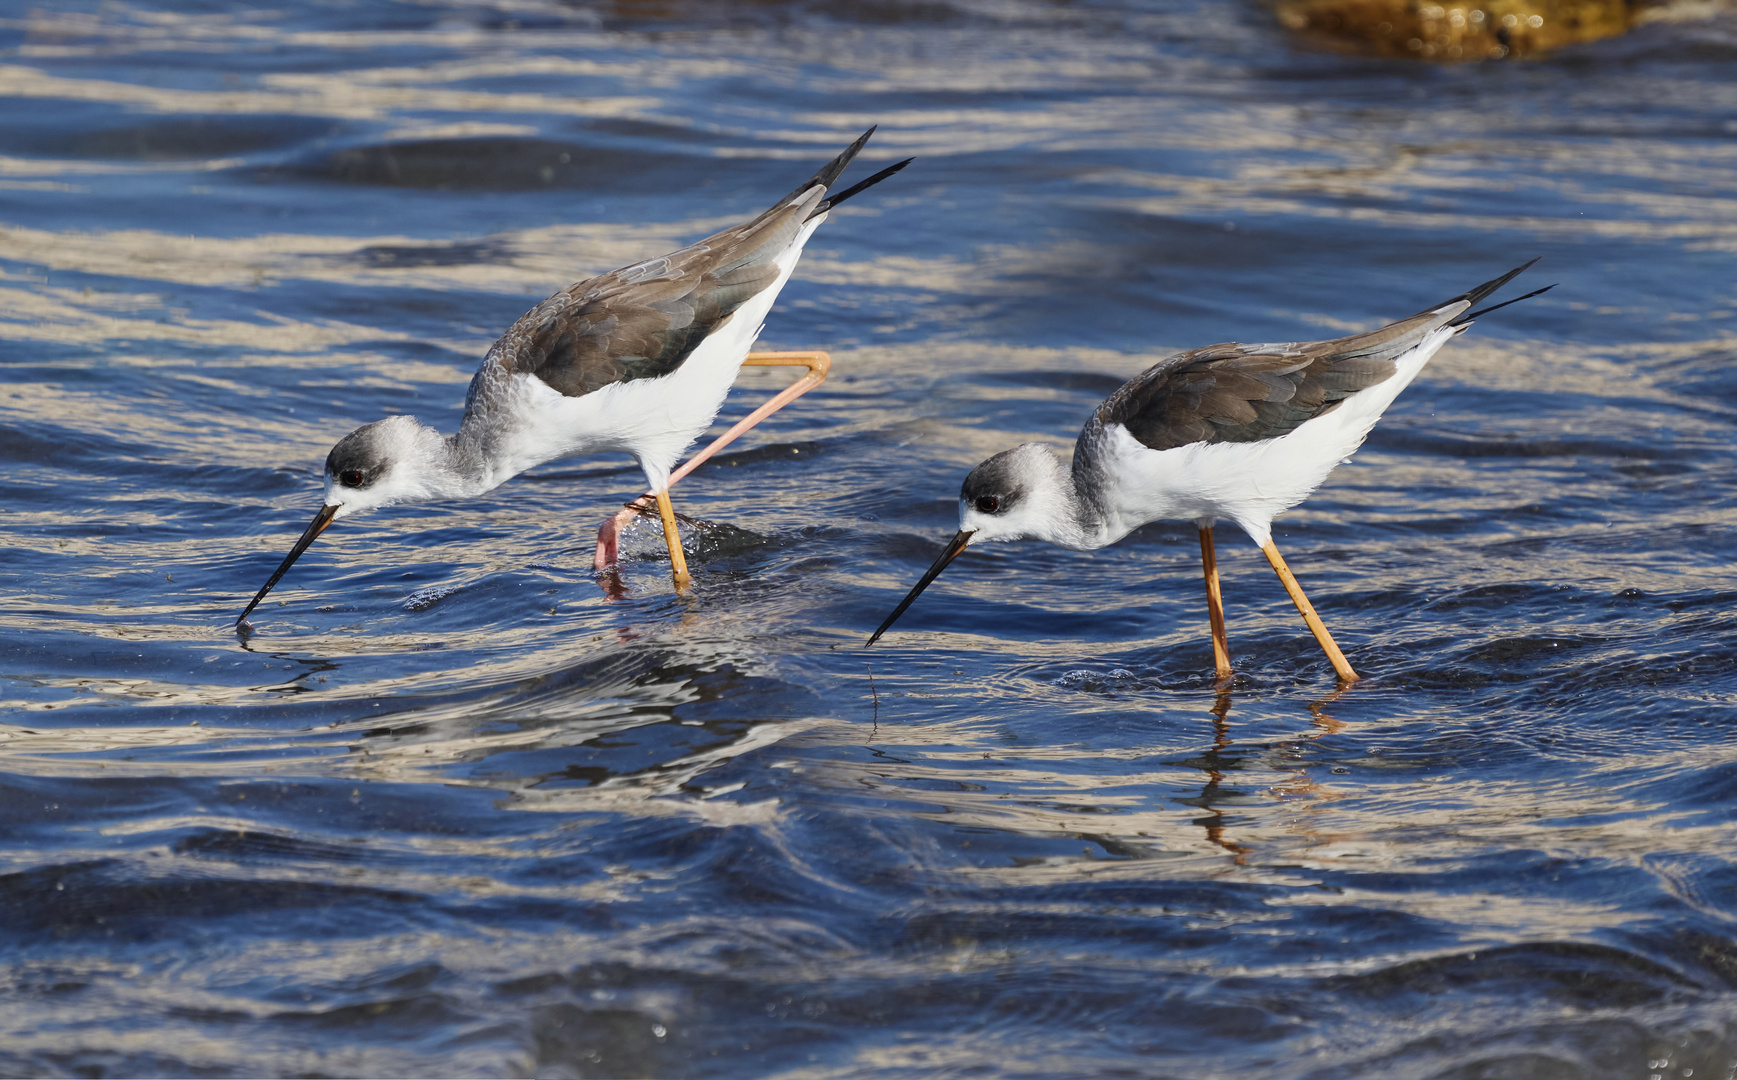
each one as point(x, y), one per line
point(453, 811)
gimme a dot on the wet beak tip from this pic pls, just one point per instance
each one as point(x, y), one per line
point(321, 520)
point(958, 544)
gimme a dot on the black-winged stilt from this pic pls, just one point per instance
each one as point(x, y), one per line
point(1233, 432)
point(636, 360)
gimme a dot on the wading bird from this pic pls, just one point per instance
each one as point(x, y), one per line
point(1233, 432)
point(636, 360)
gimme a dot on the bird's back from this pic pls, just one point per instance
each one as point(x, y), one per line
point(643, 321)
point(642, 357)
point(1244, 432)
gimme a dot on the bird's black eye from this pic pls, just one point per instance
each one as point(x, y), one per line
point(988, 504)
point(350, 478)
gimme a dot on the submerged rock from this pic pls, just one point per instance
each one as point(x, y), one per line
point(1467, 31)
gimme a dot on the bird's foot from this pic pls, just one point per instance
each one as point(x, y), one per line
point(608, 554)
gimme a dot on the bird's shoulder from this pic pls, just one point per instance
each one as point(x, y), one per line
point(642, 321)
point(1232, 392)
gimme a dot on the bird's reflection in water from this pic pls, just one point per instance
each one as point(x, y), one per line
point(1001, 804)
point(1215, 762)
point(1219, 760)
point(632, 727)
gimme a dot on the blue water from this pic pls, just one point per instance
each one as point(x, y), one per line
point(452, 811)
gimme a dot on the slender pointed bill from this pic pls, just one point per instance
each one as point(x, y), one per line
point(952, 552)
point(314, 529)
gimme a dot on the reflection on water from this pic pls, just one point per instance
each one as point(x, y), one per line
point(457, 810)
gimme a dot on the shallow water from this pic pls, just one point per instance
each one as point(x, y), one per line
point(453, 811)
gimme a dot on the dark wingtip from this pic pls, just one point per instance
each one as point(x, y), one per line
point(828, 203)
point(1493, 307)
point(1476, 296)
point(832, 170)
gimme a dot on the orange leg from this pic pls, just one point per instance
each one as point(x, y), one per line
point(678, 560)
point(1316, 626)
point(1214, 604)
point(818, 364)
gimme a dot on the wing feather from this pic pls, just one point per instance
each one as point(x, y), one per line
point(643, 321)
point(1245, 393)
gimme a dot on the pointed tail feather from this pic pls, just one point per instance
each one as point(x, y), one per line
point(832, 170)
point(856, 189)
point(1485, 311)
point(828, 176)
point(1475, 296)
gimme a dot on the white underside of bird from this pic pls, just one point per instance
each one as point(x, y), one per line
point(1249, 483)
point(652, 419)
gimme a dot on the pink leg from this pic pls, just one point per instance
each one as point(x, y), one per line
point(609, 535)
point(818, 364)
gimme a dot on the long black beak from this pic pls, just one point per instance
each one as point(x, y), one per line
point(952, 552)
point(315, 528)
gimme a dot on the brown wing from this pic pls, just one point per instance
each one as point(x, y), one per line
point(642, 321)
point(1243, 393)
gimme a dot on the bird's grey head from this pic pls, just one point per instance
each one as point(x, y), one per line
point(1019, 494)
point(388, 461)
